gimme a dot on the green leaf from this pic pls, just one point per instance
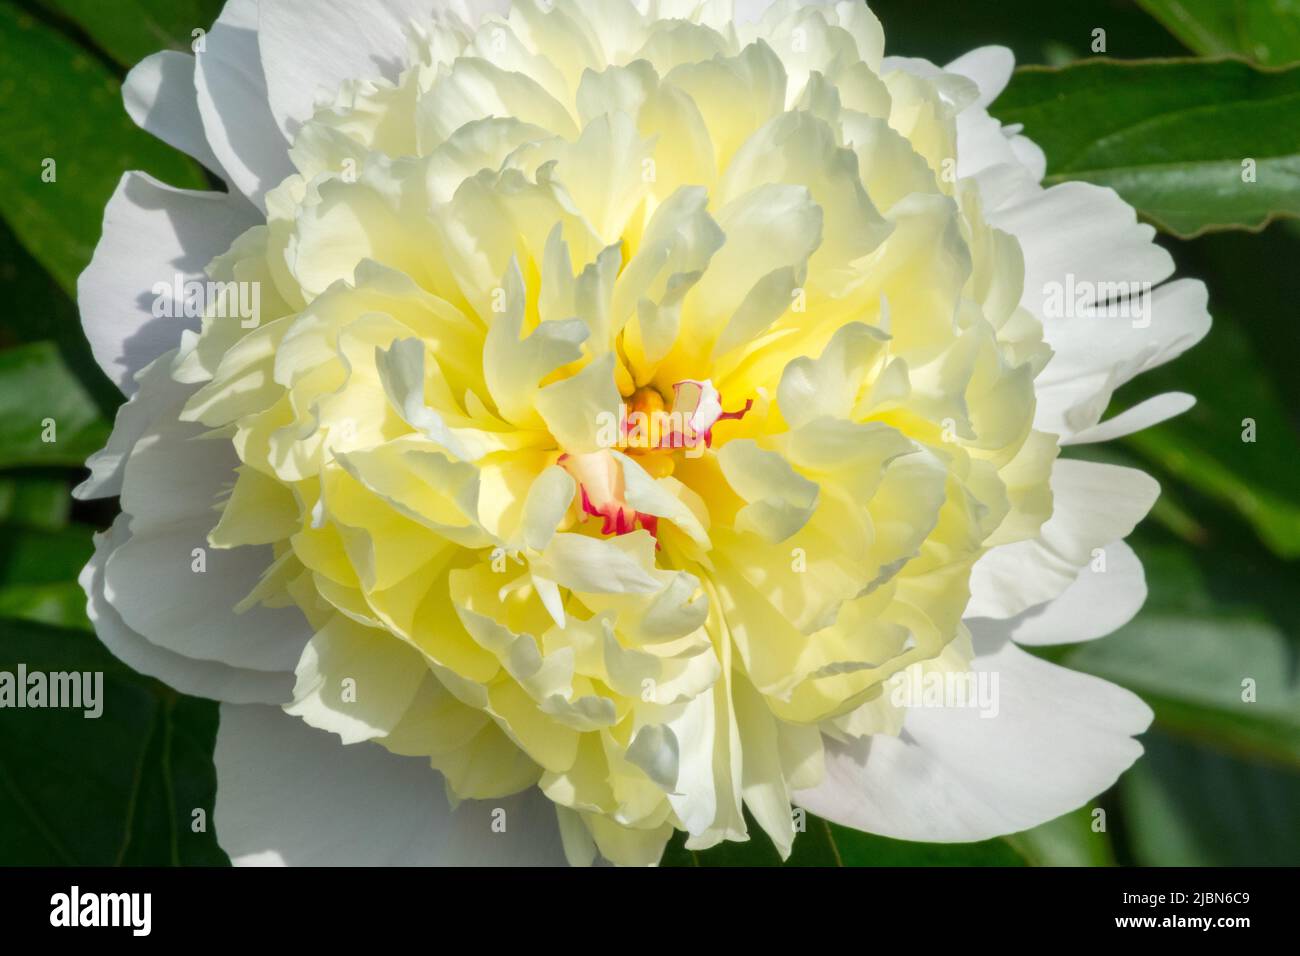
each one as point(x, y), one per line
point(812, 848)
point(1037, 32)
point(1204, 448)
point(118, 789)
point(867, 849)
point(1212, 651)
point(1170, 136)
point(38, 574)
point(1069, 840)
point(63, 106)
point(1244, 381)
point(1189, 806)
point(1265, 31)
point(46, 417)
point(34, 501)
point(57, 603)
point(45, 312)
point(130, 30)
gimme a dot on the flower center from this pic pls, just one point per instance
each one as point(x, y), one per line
point(652, 432)
point(649, 426)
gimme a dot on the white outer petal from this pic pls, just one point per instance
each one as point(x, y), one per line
point(152, 233)
point(1096, 604)
point(1031, 156)
point(172, 482)
point(1087, 233)
point(984, 146)
point(1095, 356)
point(135, 416)
point(1082, 230)
point(160, 96)
point(1093, 506)
point(291, 795)
point(232, 99)
point(1077, 233)
point(310, 47)
point(160, 398)
point(169, 478)
point(1060, 738)
point(1153, 411)
point(185, 674)
point(989, 67)
point(149, 582)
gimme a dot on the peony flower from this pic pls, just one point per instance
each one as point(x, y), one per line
point(605, 417)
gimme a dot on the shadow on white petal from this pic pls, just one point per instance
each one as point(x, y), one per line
point(309, 48)
point(1093, 505)
point(1059, 738)
point(185, 674)
point(160, 96)
point(989, 67)
point(291, 795)
point(232, 99)
point(152, 235)
point(1153, 411)
point(1106, 595)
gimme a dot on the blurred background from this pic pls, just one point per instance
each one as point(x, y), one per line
point(1220, 782)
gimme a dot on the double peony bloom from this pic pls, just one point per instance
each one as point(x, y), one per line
point(640, 395)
